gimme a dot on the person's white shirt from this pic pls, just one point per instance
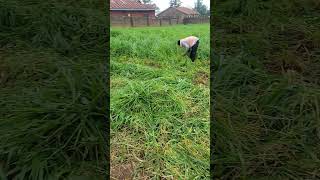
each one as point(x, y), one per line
point(188, 41)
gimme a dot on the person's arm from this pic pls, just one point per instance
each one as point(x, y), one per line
point(185, 45)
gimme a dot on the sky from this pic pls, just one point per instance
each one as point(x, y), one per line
point(164, 4)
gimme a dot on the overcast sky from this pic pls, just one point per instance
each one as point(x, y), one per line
point(164, 4)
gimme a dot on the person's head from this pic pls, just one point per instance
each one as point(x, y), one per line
point(179, 43)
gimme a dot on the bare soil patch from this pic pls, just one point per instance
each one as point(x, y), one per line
point(122, 171)
point(201, 78)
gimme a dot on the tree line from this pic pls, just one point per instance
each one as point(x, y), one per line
point(198, 6)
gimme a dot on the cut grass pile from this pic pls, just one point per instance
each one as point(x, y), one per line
point(266, 89)
point(53, 106)
point(159, 103)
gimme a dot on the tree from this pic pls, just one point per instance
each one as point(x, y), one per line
point(150, 2)
point(157, 9)
point(200, 7)
point(146, 1)
point(175, 3)
point(208, 12)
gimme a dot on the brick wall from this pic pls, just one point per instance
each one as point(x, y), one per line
point(133, 13)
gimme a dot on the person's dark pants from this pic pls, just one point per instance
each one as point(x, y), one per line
point(193, 51)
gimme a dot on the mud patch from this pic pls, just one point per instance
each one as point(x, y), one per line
point(201, 78)
point(122, 171)
point(130, 170)
point(127, 159)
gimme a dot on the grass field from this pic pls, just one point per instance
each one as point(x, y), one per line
point(52, 104)
point(53, 91)
point(266, 89)
point(159, 103)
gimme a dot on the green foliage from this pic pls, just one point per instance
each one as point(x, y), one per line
point(160, 103)
point(200, 7)
point(52, 105)
point(57, 25)
point(175, 3)
point(147, 1)
point(266, 89)
point(157, 45)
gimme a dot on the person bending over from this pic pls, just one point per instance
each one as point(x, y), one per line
point(191, 43)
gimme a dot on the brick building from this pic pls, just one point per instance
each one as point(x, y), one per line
point(178, 12)
point(131, 8)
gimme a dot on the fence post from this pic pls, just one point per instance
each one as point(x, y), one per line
point(148, 23)
point(160, 22)
point(131, 21)
point(170, 21)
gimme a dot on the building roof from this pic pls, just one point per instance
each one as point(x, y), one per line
point(184, 10)
point(130, 5)
point(187, 11)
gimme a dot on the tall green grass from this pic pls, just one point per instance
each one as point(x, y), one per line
point(266, 90)
point(53, 90)
point(159, 103)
